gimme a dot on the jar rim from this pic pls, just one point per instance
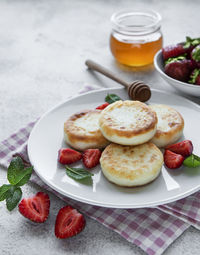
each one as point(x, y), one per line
point(153, 17)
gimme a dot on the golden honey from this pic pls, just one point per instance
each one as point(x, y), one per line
point(134, 54)
point(135, 37)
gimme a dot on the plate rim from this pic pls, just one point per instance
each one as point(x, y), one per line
point(92, 202)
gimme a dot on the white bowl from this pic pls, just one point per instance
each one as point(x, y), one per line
point(187, 88)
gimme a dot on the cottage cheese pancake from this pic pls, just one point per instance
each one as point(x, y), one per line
point(81, 131)
point(170, 125)
point(131, 165)
point(128, 122)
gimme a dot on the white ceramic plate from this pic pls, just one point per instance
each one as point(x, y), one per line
point(47, 138)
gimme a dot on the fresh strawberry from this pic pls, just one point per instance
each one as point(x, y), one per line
point(184, 148)
point(195, 55)
point(35, 208)
point(91, 157)
point(103, 106)
point(68, 156)
point(69, 222)
point(197, 80)
point(173, 160)
point(172, 51)
point(195, 77)
point(179, 70)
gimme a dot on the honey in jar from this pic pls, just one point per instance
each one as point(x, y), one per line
point(136, 37)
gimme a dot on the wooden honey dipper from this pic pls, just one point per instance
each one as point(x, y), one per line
point(137, 90)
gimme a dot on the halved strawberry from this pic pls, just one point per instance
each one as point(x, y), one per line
point(91, 157)
point(172, 51)
point(173, 160)
point(35, 208)
point(69, 222)
point(184, 148)
point(103, 106)
point(68, 156)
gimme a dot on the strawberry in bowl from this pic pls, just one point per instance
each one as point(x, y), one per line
point(179, 65)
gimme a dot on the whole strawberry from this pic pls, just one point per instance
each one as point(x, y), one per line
point(179, 70)
point(173, 51)
point(195, 77)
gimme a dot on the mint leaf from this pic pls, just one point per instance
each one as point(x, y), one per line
point(17, 174)
point(15, 194)
point(111, 98)
point(78, 173)
point(4, 191)
point(27, 175)
point(192, 161)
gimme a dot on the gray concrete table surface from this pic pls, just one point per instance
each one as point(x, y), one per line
point(43, 46)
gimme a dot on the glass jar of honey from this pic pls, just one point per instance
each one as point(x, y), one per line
point(136, 37)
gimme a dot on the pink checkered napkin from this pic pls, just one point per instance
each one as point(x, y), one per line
point(152, 229)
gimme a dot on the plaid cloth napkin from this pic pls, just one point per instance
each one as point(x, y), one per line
point(152, 229)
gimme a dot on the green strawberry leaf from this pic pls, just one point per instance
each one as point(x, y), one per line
point(192, 161)
point(78, 173)
point(15, 194)
point(194, 76)
point(196, 54)
point(4, 191)
point(175, 59)
point(17, 174)
point(111, 98)
point(191, 42)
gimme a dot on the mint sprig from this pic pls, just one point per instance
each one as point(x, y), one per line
point(192, 161)
point(4, 191)
point(15, 194)
point(18, 174)
point(78, 174)
point(111, 98)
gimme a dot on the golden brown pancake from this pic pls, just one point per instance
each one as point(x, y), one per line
point(170, 125)
point(81, 131)
point(128, 122)
point(131, 165)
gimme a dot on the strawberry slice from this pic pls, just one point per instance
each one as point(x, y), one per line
point(172, 51)
point(184, 148)
point(35, 208)
point(91, 157)
point(69, 222)
point(173, 160)
point(103, 106)
point(68, 156)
